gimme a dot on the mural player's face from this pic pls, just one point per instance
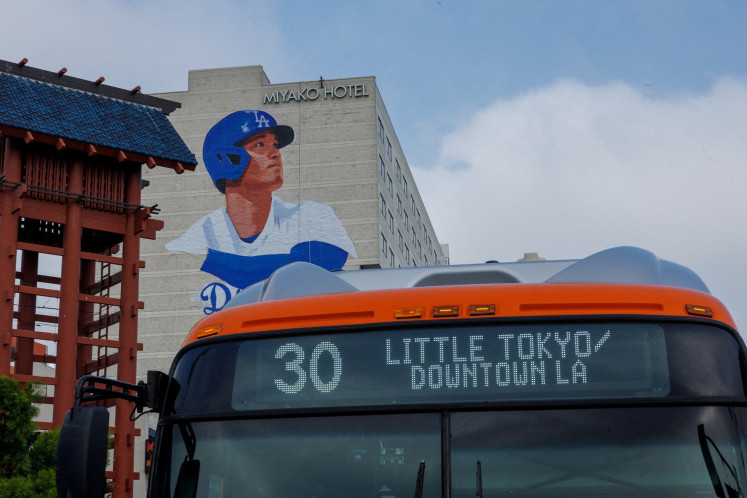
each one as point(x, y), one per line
point(265, 170)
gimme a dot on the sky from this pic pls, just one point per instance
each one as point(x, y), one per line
point(562, 127)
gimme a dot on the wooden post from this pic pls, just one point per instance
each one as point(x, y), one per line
point(86, 316)
point(8, 244)
point(67, 332)
point(27, 313)
point(126, 369)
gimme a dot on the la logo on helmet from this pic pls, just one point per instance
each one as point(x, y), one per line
point(261, 120)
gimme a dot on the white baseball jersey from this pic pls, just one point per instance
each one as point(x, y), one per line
point(287, 225)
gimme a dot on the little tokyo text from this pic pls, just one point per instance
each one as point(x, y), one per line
point(502, 360)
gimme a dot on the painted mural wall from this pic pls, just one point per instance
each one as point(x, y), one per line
point(256, 232)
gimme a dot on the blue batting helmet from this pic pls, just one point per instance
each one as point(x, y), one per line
point(224, 157)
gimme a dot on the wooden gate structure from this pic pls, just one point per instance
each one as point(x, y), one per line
point(71, 154)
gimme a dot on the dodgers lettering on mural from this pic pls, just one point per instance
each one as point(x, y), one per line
point(257, 232)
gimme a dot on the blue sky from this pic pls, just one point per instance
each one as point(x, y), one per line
point(566, 126)
point(440, 60)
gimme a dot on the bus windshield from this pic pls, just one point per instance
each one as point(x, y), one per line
point(649, 409)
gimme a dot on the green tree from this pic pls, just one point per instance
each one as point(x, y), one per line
point(17, 411)
point(43, 451)
point(26, 468)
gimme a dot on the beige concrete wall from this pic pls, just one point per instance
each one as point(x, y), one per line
point(331, 161)
point(334, 160)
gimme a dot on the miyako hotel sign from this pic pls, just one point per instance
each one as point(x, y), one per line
point(314, 93)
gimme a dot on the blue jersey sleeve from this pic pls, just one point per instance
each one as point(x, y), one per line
point(243, 271)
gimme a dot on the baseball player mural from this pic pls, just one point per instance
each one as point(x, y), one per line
point(257, 232)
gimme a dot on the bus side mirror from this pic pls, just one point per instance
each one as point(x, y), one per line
point(81, 453)
point(156, 390)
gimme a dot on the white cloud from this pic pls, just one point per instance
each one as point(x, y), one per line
point(570, 169)
point(133, 42)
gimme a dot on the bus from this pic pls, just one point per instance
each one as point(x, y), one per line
point(614, 375)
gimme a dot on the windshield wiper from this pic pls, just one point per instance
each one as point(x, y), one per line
point(421, 478)
point(478, 477)
point(718, 486)
point(189, 472)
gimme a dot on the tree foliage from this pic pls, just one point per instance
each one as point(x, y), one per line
point(27, 458)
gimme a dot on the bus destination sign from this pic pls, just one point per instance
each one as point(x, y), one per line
point(457, 364)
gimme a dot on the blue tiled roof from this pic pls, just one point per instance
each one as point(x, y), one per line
point(68, 113)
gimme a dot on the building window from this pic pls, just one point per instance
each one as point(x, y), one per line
point(420, 250)
point(399, 170)
point(425, 261)
point(407, 220)
point(389, 184)
point(404, 186)
point(388, 148)
point(391, 222)
point(382, 204)
point(382, 167)
point(412, 204)
point(381, 130)
point(399, 205)
point(407, 255)
point(414, 237)
point(391, 258)
point(384, 245)
point(430, 244)
point(400, 240)
point(417, 216)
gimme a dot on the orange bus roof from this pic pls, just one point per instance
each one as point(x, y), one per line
point(460, 302)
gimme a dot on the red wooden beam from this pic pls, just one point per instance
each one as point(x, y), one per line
point(35, 334)
point(34, 378)
point(45, 358)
